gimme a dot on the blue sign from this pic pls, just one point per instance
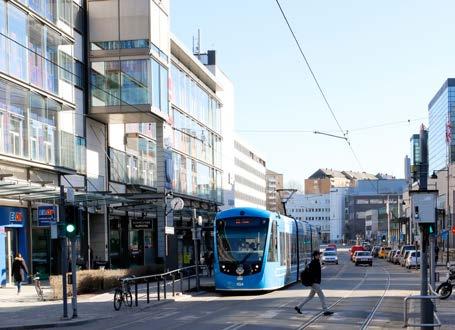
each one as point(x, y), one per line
point(47, 215)
point(445, 235)
point(12, 216)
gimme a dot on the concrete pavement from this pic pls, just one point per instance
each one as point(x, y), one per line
point(361, 297)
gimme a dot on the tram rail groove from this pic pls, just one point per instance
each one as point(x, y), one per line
point(370, 317)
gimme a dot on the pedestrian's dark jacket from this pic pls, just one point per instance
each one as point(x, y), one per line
point(315, 271)
point(19, 269)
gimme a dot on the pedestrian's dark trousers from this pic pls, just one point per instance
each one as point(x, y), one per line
point(18, 284)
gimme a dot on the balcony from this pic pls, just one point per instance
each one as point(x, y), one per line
point(132, 170)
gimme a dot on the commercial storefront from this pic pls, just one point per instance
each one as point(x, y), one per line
point(13, 239)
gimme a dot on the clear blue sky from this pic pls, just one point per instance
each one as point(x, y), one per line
point(378, 62)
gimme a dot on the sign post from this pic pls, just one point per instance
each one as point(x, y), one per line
point(423, 207)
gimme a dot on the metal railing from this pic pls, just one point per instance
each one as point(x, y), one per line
point(177, 275)
point(434, 295)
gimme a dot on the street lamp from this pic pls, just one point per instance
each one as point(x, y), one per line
point(285, 196)
point(434, 176)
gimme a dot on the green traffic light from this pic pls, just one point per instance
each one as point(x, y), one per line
point(70, 228)
point(431, 229)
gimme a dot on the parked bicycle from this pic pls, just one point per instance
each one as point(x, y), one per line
point(123, 294)
point(37, 282)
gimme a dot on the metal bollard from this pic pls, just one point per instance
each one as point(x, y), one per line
point(148, 291)
point(189, 281)
point(164, 287)
point(181, 282)
point(158, 288)
point(173, 285)
point(135, 292)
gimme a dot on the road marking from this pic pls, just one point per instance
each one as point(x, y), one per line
point(235, 326)
point(368, 320)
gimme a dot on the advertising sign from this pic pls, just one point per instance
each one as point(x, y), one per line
point(141, 224)
point(47, 215)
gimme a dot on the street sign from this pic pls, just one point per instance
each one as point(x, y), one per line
point(445, 235)
point(47, 215)
point(169, 230)
point(141, 223)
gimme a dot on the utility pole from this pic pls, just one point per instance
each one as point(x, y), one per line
point(389, 241)
point(63, 250)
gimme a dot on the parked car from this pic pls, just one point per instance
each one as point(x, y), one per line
point(363, 258)
point(413, 260)
point(354, 249)
point(396, 258)
point(384, 251)
point(329, 257)
point(389, 255)
point(405, 248)
point(403, 258)
point(375, 251)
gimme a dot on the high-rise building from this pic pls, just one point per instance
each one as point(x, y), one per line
point(274, 181)
point(441, 122)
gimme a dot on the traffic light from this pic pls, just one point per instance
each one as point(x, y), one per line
point(71, 227)
point(432, 228)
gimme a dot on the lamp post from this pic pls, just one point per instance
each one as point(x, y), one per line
point(285, 196)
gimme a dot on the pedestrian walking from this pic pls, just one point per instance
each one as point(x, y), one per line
point(314, 273)
point(19, 269)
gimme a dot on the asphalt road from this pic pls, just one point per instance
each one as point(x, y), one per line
point(360, 297)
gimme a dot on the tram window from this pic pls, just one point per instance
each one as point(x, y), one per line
point(273, 245)
point(282, 249)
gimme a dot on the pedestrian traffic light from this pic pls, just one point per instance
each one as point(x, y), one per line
point(432, 228)
point(71, 228)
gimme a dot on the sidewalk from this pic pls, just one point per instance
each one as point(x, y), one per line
point(24, 311)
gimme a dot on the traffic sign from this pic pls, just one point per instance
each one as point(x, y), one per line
point(445, 235)
point(453, 230)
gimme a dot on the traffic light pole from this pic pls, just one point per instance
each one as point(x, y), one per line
point(64, 252)
point(73, 275)
point(426, 306)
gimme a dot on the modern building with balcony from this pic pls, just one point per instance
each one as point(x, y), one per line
point(274, 181)
point(158, 110)
point(42, 125)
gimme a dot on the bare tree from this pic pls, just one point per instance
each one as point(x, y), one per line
point(294, 184)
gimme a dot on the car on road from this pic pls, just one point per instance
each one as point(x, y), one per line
point(404, 257)
point(363, 258)
point(413, 260)
point(405, 248)
point(332, 245)
point(354, 249)
point(375, 251)
point(396, 257)
point(389, 255)
point(383, 252)
point(330, 249)
point(329, 257)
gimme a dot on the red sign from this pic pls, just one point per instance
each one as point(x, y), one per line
point(453, 230)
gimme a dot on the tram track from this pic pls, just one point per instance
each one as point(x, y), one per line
point(373, 311)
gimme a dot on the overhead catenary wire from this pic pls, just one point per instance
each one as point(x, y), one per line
point(329, 107)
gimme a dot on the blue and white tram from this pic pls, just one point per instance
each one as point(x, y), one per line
point(260, 250)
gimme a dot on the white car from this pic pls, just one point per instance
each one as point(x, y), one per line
point(363, 257)
point(329, 257)
point(413, 260)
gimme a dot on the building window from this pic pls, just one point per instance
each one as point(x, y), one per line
point(78, 74)
point(66, 67)
point(65, 10)
point(17, 32)
point(78, 18)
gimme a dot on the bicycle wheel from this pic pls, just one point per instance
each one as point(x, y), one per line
point(118, 298)
point(128, 297)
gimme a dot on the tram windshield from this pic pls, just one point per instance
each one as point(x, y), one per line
point(241, 240)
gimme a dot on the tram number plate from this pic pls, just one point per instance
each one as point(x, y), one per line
point(239, 278)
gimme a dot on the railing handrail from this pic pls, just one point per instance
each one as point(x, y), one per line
point(153, 276)
point(412, 297)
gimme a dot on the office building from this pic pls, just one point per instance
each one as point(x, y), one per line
point(42, 144)
point(274, 181)
point(441, 123)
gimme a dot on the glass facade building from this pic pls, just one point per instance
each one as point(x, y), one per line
point(441, 110)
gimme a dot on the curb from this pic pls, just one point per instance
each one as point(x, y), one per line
point(61, 324)
point(81, 320)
